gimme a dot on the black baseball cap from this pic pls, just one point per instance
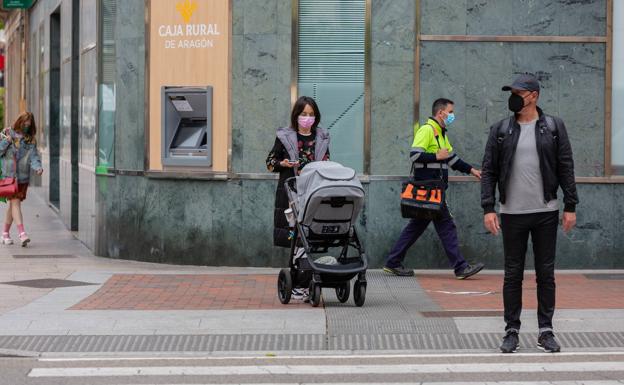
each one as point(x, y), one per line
point(524, 82)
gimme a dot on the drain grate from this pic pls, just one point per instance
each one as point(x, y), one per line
point(294, 342)
point(462, 313)
point(48, 283)
point(43, 256)
point(605, 277)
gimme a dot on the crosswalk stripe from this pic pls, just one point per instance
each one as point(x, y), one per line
point(323, 356)
point(326, 369)
point(436, 383)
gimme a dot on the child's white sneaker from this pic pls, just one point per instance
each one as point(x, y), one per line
point(24, 239)
point(6, 239)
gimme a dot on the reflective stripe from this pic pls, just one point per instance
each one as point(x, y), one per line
point(454, 159)
point(443, 166)
point(415, 157)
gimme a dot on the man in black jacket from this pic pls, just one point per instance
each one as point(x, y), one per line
point(529, 157)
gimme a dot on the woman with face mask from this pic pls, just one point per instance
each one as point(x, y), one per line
point(296, 145)
point(18, 150)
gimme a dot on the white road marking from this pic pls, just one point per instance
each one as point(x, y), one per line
point(473, 293)
point(327, 369)
point(435, 383)
point(273, 356)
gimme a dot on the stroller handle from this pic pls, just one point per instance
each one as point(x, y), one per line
point(290, 184)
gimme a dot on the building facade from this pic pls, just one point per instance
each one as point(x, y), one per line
point(105, 77)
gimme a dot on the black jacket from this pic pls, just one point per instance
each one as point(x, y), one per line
point(555, 159)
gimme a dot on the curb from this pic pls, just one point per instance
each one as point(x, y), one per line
point(12, 353)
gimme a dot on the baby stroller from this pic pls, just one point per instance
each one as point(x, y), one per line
point(325, 201)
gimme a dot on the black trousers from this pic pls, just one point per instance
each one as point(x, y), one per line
point(543, 230)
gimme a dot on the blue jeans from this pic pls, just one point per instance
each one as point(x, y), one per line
point(447, 231)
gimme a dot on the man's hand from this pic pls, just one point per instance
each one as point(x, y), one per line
point(476, 173)
point(569, 221)
point(442, 154)
point(490, 221)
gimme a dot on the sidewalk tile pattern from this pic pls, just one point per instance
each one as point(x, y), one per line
point(484, 291)
point(186, 292)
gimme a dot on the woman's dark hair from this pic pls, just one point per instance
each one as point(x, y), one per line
point(298, 109)
point(18, 126)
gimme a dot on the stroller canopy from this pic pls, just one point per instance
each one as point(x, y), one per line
point(325, 180)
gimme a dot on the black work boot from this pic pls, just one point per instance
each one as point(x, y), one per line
point(401, 271)
point(510, 342)
point(469, 271)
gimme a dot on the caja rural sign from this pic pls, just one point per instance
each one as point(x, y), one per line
point(188, 33)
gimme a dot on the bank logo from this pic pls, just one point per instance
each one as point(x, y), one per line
point(186, 8)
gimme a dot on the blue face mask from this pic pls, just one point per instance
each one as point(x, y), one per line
point(450, 118)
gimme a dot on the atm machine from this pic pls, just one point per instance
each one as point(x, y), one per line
point(186, 126)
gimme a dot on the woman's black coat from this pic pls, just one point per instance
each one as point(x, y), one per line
point(286, 147)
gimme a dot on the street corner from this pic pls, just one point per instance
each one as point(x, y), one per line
point(187, 292)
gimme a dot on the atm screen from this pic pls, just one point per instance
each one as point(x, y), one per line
point(189, 134)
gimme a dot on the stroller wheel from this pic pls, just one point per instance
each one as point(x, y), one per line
point(284, 286)
point(359, 293)
point(315, 294)
point(343, 291)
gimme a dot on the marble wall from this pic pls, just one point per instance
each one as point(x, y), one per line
point(156, 220)
point(130, 85)
point(261, 75)
point(514, 17)
point(392, 85)
point(570, 76)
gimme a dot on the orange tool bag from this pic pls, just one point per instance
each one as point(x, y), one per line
point(422, 199)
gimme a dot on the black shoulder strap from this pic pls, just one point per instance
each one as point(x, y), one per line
point(552, 125)
point(504, 129)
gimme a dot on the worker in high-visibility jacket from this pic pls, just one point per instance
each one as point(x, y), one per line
point(431, 155)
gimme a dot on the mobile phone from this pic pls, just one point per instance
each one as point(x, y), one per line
point(292, 161)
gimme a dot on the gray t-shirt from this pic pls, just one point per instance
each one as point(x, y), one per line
point(525, 188)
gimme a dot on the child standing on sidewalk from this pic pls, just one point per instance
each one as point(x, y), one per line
point(18, 150)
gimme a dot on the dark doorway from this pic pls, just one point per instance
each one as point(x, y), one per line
point(54, 106)
point(75, 109)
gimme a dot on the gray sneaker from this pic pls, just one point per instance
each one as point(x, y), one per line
point(547, 342)
point(401, 271)
point(510, 342)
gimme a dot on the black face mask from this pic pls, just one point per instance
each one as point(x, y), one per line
point(515, 103)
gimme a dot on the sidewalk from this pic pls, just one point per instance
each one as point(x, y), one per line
point(56, 297)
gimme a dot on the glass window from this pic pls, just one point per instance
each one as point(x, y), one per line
point(332, 71)
point(617, 122)
point(106, 97)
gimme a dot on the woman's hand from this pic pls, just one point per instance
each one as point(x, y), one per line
point(39, 172)
point(287, 163)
